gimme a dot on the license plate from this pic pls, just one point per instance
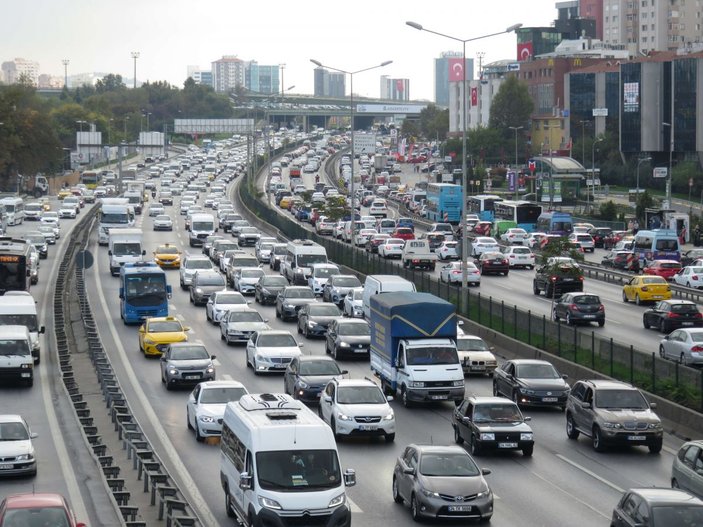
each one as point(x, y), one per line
point(367, 428)
point(478, 368)
point(6, 467)
point(549, 399)
point(589, 316)
point(656, 296)
point(636, 438)
point(319, 394)
point(279, 366)
point(191, 377)
point(438, 397)
point(459, 508)
point(567, 279)
point(360, 350)
point(687, 323)
point(507, 445)
point(26, 375)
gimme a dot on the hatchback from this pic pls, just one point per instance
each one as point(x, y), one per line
point(657, 507)
point(667, 269)
point(37, 509)
point(579, 307)
point(668, 315)
point(492, 262)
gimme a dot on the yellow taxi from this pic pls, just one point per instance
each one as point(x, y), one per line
point(45, 204)
point(158, 332)
point(167, 256)
point(646, 288)
point(64, 193)
point(285, 202)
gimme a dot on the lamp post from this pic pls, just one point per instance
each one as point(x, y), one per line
point(515, 129)
point(65, 63)
point(671, 152)
point(282, 67)
point(351, 110)
point(639, 162)
point(464, 246)
point(147, 121)
point(583, 123)
point(124, 121)
point(593, 170)
point(135, 56)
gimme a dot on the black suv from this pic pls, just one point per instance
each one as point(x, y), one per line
point(557, 278)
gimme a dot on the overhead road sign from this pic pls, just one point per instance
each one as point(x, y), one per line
point(213, 126)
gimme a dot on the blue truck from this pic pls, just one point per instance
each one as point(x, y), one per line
point(413, 347)
point(143, 292)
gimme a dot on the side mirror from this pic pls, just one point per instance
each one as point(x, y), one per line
point(327, 399)
point(163, 358)
point(143, 252)
point(186, 328)
point(466, 419)
point(301, 345)
point(109, 253)
point(349, 477)
point(485, 471)
point(42, 329)
point(409, 470)
point(653, 406)
point(527, 418)
point(585, 405)
point(565, 377)
point(245, 480)
point(33, 435)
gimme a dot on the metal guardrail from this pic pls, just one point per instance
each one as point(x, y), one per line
point(70, 287)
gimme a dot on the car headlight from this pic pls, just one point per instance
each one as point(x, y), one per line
point(416, 384)
point(483, 493)
point(269, 503)
point(210, 369)
point(486, 436)
point(612, 425)
point(298, 271)
point(206, 419)
point(343, 344)
point(260, 358)
point(311, 324)
point(27, 366)
point(527, 436)
point(173, 371)
point(265, 292)
point(337, 501)
point(25, 457)
point(303, 384)
point(527, 391)
point(344, 417)
point(147, 340)
point(198, 290)
point(655, 426)
point(389, 416)
point(457, 384)
point(429, 493)
point(288, 306)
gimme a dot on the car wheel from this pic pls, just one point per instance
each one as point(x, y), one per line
point(208, 317)
point(535, 289)
point(228, 502)
point(255, 366)
point(306, 332)
point(555, 317)
point(404, 397)
point(571, 431)
point(335, 353)
point(637, 300)
point(190, 426)
point(662, 354)
point(662, 327)
point(516, 397)
point(198, 437)
point(278, 315)
point(601, 323)
point(297, 326)
point(569, 322)
point(645, 323)
point(674, 484)
point(624, 297)
point(396, 495)
point(495, 389)
point(414, 508)
point(457, 436)
point(441, 277)
point(527, 451)
point(655, 448)
point(475, 447)
point(597, 440)
point(390, 437)
point(333, 426)
point(682, 359)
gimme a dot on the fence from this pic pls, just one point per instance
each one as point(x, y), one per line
point(667, 379)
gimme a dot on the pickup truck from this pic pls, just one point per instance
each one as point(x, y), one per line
point(417, 254)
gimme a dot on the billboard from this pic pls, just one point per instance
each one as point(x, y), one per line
point(631, 97)
point(213, 126)
point(390, 108)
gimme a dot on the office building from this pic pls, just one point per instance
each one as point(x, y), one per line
point(199, 75)
point(395, 89)
point(329, 83)
point(593, 9)
point(441, 75)
point(228, 73)
point(262, 79)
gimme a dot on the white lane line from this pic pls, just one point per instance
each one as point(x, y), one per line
point(353, 506)
point(216, 363)
point(69, 474)
point(591, 473)
point(226, 377)
point(670, 450)
point(169, 451)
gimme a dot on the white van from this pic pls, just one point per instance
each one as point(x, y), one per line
point(21, 310)
point(202, 225)
point(383, 283)
point(300, 255)
point(279, 464)
point(16, 351)
point(14, 210)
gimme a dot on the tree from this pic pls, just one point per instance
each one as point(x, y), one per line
point(410, 128)
point(335, 208)
point(434, 123)
point(512, 106)
point(644, 201)
point(110, 82)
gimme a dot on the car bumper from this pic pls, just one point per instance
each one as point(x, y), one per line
point(477, 367)
point(354, 428)
point(163, 227)
point(213, 429)
point(308, 395)
point(317, 331)
point(189, 378)
point(621, 437)
point(238, 337)
point(425, 395)
point(542, 400)
point(17, 468)
point(505, 445)
point(154, 350)
point(352, 350)
point(169, 265)
point(442, 509)
point(247, 289)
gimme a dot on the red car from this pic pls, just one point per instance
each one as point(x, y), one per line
point(404, 233)
point(483, 228)
point(664, 268)
point(37, 509)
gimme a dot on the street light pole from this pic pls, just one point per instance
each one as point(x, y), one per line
point(593, 170)
point(65, 63)
point(583, 143)
point(671, 153)
point(639, 162)
point(515, 129)
point(464, 245)
point(351, 102)
point(135, 56)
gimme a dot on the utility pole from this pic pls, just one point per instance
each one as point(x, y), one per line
point(65, 72)
point(135, 56)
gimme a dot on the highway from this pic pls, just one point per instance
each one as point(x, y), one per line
point(564, 481)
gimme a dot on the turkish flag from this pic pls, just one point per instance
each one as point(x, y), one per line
point(456, 70)
point(474, 96)
point(524, 51)
point(399, 85)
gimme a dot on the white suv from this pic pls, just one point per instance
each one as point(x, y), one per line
point(355, 407)
point(378, 207)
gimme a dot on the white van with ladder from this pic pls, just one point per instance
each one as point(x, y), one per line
point(279, 464)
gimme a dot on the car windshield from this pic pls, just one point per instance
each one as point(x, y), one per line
point(214, 279)
point(127, 249)
point(632, 399)
point(347, 281)
point(298, 470)
point(303, 292)
point(306, 260)
point(324, 311)
point(230, 298)
point(244, 316)
point(677, 515)
point(276, 341)
point(163, 217)
point(252, 273)
point(319, 367)
point(431, 355)
point(245, 262)
point(221, 394)
point(265, 247)
point(189, 353)
point(14, 319)
point(448, 465)
point(360, 395)
point(14, 347)
point(508, 413)
point(325, 272)
point(202, 226)
point(167, 250)
point(653, 280)
point(198, 264)
point(279, 249)
point(471, 344)
point(227, 246)
point(536, 371)
point(274, 281)
point(13, 432)
point(353, 329)
point(165, 326)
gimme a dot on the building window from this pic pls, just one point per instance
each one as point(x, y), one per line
point(644, 3)
point(652, 27)
point(644, 15)
point(644, 27)
point(615, 19)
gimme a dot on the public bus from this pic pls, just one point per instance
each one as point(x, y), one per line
point(143, 292)
point(553, 222)
point(482, 205)
point(522, 214)
point(91, 178)
point(444, 202)
point(15, 265)
point(657, 244)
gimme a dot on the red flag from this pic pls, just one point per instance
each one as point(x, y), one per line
point(474, 96)
point(524, 51)
point(456, 70)
point(399, 85)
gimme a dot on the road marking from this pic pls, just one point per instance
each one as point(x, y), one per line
point(590, 473)
point(353, 506)
point(169, 450)
point(226, 377)
point(670, 450)
point(216, 363)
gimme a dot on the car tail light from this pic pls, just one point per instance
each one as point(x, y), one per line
point(573, 307)
point(697, 349)
point(512, 256)
point(553, 278)
point(601, 307)
point(698, 315)
point(673, 315)
point(456, 272)
point(581, 278)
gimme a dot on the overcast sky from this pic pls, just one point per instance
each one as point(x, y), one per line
point(98, 36)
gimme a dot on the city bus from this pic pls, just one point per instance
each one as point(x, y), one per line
point(657, 244)
point(444, 202)
point(91, 178)
point(482, 205)
point(553, 222)
point(15, 265)
point(143, 292)
point(510, 214)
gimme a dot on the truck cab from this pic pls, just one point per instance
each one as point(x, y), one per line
point(124, 246)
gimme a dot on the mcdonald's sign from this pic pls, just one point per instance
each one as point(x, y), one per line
point(577, 61)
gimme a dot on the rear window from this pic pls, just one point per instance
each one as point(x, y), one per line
point(587, 300)
point(684, 308)
point(670, 265)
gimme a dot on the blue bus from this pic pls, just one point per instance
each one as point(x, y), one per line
point(657, 244)
point(554, 222)
point(143, 292)
point(482, 205)
point(522, 214)
point(444, 202)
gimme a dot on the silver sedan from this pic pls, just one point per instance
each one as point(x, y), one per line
point(684, 346)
